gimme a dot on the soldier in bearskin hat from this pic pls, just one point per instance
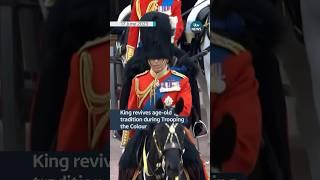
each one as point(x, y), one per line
point(140, 7)
point(154, 60)
point(150, 78)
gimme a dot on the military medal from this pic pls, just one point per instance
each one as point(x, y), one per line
point(218, 84)
point(168, 101)
point(170, 86)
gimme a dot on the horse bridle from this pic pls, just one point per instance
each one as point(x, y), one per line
point(169, 144)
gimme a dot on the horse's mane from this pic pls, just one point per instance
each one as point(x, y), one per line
point(128, 159)
point(191, 160)
point(128, 162)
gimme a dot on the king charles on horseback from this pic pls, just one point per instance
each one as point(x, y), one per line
point(140, 7)
point(160, 83)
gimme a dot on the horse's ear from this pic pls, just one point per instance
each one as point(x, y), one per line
point(179, 106)
point(159, 104)
point(224, 140)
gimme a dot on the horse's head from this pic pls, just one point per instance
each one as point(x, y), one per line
point(169, 142)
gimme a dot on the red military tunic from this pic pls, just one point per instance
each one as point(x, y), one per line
point(83, 123)
point(145, 80)
point(236, 94)
point(178, 87)
point(167, 85)
point(140, 7)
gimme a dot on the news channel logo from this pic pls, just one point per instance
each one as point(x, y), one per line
point(196, 26)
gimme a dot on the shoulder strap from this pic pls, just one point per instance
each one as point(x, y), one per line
point(178, 74)
point(141, 74)
point(226, 43)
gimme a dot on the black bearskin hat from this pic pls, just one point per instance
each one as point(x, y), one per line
point(156, 41)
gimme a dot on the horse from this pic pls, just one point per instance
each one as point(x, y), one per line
point(198, 50)
point(163, 151)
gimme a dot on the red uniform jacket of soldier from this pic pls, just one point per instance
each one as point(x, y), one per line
point(146, 78)
point(78, 124)
point(143, 4)
point(239, 99)
point(143, 80)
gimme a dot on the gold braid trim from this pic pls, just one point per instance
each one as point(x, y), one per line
point(178, 74)
point(152, 6)
point(186, 173)
point(151, 89)
point(96, 104)
point(124, 138)
point(142, 95)
point(129, 53)
point(224, 42)
point(138, 10)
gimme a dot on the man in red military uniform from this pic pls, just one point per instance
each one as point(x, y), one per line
point(84, 121)
point(170, 7)
point(165, 84)
point(160, 82)
point(234, 91)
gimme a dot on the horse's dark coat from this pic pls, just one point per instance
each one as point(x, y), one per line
point(191, 158)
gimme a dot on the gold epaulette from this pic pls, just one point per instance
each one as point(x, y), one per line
point(152, 6)
point(129, 52)
point(141, 74)
point(226, 43)
point(178, 74)
point(125, 138)
point(97, 41)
